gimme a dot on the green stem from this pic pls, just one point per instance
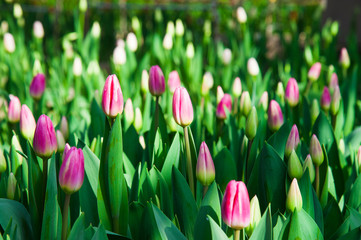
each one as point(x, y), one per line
point(64, 226)
point(317, 181)
point(245, 174)
point(333, 121)
point(235, 106)
point(116, 224)
point(236, 234)
point(205, 189)
point(156, 120)
point(308, 87)
point(189, 160)
point(45, 176)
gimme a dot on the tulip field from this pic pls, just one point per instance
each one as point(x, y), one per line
point(239, 122)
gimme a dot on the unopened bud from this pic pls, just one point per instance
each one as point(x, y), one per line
point(316, 151)
point(325, 99)
point(294, 197)
point(344, 59)
point(311, 169)
point(294, 168)
point(237, 87)
point(263, 101)
point(138, 120)
point(335, 102)
point(245, 104)
point(252, 124)
point(255, 216)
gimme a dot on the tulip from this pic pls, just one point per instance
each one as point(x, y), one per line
point(44, 142)
point(129, 111)
point(314, 72)
point(245, 104)
point(3, 164)
point(220, 94)
point(135, 23)
point(14, 109)
point(60, 141)
point(119, 55)
point(156, 81)
point(241, 15)
point(71, 174)
point(190, 50)
point(112, 101)
point(37, 86)
point(9, 42)
point(12, 188)
point(335, 101)
point(280, 91)
point(182, 107)
point(255, 215)
point(252, 67)
point(309, 165)
point(18, 11)
point(38, 30)
point(27, 122)
point(132, 42)
point(315, 111)
point(292, 141)
point(227, 56)
point(173, 81)
point(170, 28)
point(341, 146)
point(344, 59)
point(236, 206)
point(207, 83)
point(316, 151)
point(205, 171)
point(138, 120)
point(275, 116)
point(83, 5)
point(294, 197)
point(237, 87)
point(251, 124)
point(179, 28)
point(263, 101)
point(144, 82)
point(334, 28)
point(294, 168)
point(292, 93)
point(64, 128)
point(77, 67)
point(325, 99)
point(333, 81)
point(167, 41)
point(96, 30)
point(225, 103)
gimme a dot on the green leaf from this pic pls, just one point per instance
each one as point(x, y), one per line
point(164, 195)
point(302, 226)
point(97, 119)
point(132, 146)
point(264, 229)
point(225, 168)
point(354, 200)
point(332, 217)
point(78, 229)
point(349, 93)
point(279, 139)
point(355, 218)
point(14, 216)
point(217, 232)
point(136, 210)
point(100, 233)
point(172, 159)
point(184, 205)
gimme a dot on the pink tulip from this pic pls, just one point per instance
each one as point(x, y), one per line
point(27, 122)
point(64, 127)
point(173, 81)
point(71, 174)
point(112, 101)
point(292, 141)
point(205, 171)
point(325, 99)
point(316, 151)
point(44, 142)
point(225, 103)
point(37, 86)
point(156, 81)
point(182, 107)
point(333, 81)
point(236, 205)
point(14, 109)
point(292, 92)
point(344, 59)
point(314, 72)
point(275, 116)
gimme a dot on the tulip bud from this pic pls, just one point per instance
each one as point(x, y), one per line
point(308, 55)
point(4, 27)
point(156, 81)
point(292, 93)
point(227, 56)
point(83, 5)
point(132, 42)
point(182, 107)
point(292, 141)
point(275, 116)
point(241, 15)
point(311, 169)
point(12, 189)
point(315, 111)
point(138, 120)
point(64, 128)
point(334, 28)
point(144, 81)
point(294, 197)
point(93, 68)
point(170, 28)
point(71, 174)
point(335, 102)
point(245, 104)
point(294, 168)
point(112, 101)
point(18, 11)
point(236, 206)
point(344, 59)
point(44, 142)
point(27, 122)
point(17, 147)
point(135, 23)
point(251, 124)
point(316, 151)
point(341, 146)
point(325, 99)
point(314, 72)
point(9, 42)
point(3, 164)
point(14, 109)
point(280, 91)
point(96, 30)
point(119, 56)
point(38, 30)
point(37, 86)
point(207, 83)
point(190, 50)
point(129, 111)
point(358, 160)
point(237, 87)
point(173, 81)
point(205, 168)
point(179, 28)
point(67, 148)
point(77, 67)
point(263, 101)
point(333, 82)
point(225, 103)
point(255, 215)
point(168, 41)
point(220, 94)
point(252, 67)
point(60, 140)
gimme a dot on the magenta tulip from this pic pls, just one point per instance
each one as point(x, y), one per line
point(292, 93)
point(37, 86)
point(14, 109)
point(112, 101)
point(292, 141)
point(325, 99)
point(275, 116)
point(27, 122)
point(314, 72)
point(333, 81)
point(44, 142)
point(156, 81)
point(182, 107)
point(173, 81)
point(225, 103)
point(205, 171)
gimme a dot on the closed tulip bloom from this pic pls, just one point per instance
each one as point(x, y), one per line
point(182, 107)
point(207, 83)
point(132, 42)
point(129, 111)
point(156, 81)
point(64, 127)
point(252, 67)
point(119, 55)
point(314, 72)
point(311, 169)
point(3, 164)
point(112, 101)
point(138, 120)
point(316, 151)
point(292, 92)
point(60, 141)
point(292, 141)
point(205, 168)
point(294, 168)
point(251, 124)
point(77, 66)
point(168, 41)
point(245, 104)
point(173, 81)
point(335, 101)
point(220, 94)
point(255, 215)
point(71, 174)
point(333, 81)
point(44, 142)
point(241, 15)
point(179, 28)
point(227, 56)
point(280, 91)
point(96, 30)
point(9, 42)
point(344, 59)
point(294, 197)
point(14, 109)
point(38, 30)
point(236, 205)
point(37, 86)
point(225, 103)
point(315, 110)
point(237, 87)
point(325, 99)
point(263, 101)
point(275, 116)
point(144, 81)
point(190, 50)
point(27, 122)
point(11, 190)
